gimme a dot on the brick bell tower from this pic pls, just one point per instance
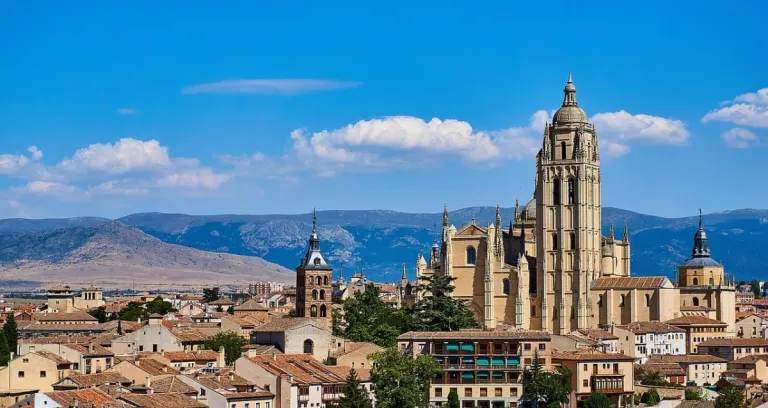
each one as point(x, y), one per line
point(313, 281)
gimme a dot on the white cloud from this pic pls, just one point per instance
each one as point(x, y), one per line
point(739, 138)
point(197, 178)
point(269, 86)
point(612, 149)
point(124, 156)
point(749, 109)
point(119, 188)
point(48, 188)
point(12, 163)
point(127, 111)
point(36, 153)
point(520, 143)
point(623, 127)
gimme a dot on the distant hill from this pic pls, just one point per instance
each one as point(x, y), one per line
point(112, 254)
point(380, 241)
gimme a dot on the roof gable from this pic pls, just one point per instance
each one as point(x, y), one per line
point(471, 228)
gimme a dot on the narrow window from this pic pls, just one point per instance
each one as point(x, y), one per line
point(622, 301)
point(325, 280)
point(554, 241)
point(556, 192)
point(322, 294)
point(573, 240)
point(695, 282)
point(313, 311)
point(533, 311)
point(309, 347)
point(471, 255)
point(314, 294)
point(323, 311)
point(319, 280)
point(695, 301)
point(647, 300)
point(571, 191)
point(505, 283)
point(600, 301)
point(562, 150)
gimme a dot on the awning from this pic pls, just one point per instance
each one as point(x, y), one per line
point(468, 375)
point(482, 374)
point(498, 360)
point(452, 347)
point(467, 360)
point(498, 374)
point(513, 360)
point(468, 347)
point(484, 361)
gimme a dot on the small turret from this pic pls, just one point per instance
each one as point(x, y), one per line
point(403, 279)
point(625, 238)
point(517, 213)
point(610, 231)
point(445, 216)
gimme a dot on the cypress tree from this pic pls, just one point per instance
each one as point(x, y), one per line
point(5, 352)
point(11, 330)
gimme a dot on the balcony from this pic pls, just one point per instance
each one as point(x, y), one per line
point(608, 383)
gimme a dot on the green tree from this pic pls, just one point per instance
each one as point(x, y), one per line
point(133, 312)
point(291, 313)
point(354, 395)
point(158, 305)
point(210, 295)
point(369, 319)
point(401, 381)
point(755, 285)
point(437, 310)
point(11, 330)
point(546, 389)
point(99, 313)
point(337, 322)
point(5, 351)
point(453, 399)
point(730, 397)
point(119, 327)
point(652, 378)
point(651, 398)
point(693, 395)
point(232, 342)
point(231, 310)
point(597, 400)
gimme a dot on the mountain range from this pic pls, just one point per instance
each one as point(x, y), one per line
point(199, 249)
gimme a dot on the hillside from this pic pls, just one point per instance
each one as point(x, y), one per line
point(380, 241)
point(112, 254)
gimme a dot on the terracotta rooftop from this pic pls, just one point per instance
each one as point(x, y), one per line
point(696, 404)
point(663, 368)
point(251, 306)
point(695, 321)
point(262, 349)
point(161, 401)
point(91, 380)
point(85, 398)
point(172, 385)
point(304, 369)
point(598, 334)
point(686, 359)
point(222, 302)
point(651, 327)
point(590, 355)
point(243, 322)
point(230, 385)
point(64, 317)
point(89, 350)
point(631, 282)
point(476, 334)
point(154, 367)
point(286, 323)
point(189, 335)
point(734, 342)
point(358, 345)
point(57, 340)
point(53, 357)
point(752, 359)
point(695, 309)
point(202, 355)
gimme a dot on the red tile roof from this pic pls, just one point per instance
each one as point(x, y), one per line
point(651, 327)
point(202, 355)
point(686, 359)
point(161, 401)
point(630, 282)
point(695, 321)
point(590, 355)
point(86, 398)
point(91, 380)
point(303, 369)
point(734, 342)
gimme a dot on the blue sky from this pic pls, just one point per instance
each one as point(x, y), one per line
point(110, 108)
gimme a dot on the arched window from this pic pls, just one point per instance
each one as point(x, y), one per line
point(317, 261)
point(556, 191)
point(471, 255)
point(562, 150)
point(695, 301)
point(711, 281)
point(695, 281)
point(310, 280)
point(313, 311)
point(319, 280)
point(309, 347)
point(554, 241)
point(322, 294)
point(571, 191)
point(621, 304)
point(325, 280)
point(323, 311)
point(647, 300)
point(505, 283)
point(573, 240)
point(314, 294)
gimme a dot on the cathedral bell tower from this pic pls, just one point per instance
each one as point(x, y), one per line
point(568, 222)
point(313, 281)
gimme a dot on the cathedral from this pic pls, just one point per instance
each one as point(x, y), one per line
point(552, 268)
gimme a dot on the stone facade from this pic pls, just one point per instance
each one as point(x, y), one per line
point(552, 268)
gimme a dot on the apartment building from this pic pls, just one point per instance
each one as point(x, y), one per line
point(484, 367)
point(699, 369)
point(641, 339)
point(34, 371)
point(734, 348)
point(752, 326)
point(699, 329)
point(225, 389)
point(594, 371)
point(748, 368)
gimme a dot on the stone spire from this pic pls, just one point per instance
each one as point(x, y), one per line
point(498, 217)
point(625, 238)
point(445, 216)
point(517, 212)
point(610, 231)
point(569, 98)
point(404, 278)
point(700, 241)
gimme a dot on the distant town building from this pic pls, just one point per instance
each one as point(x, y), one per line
point(643, 339)
point(264, 288)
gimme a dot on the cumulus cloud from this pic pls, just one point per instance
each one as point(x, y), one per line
point(125, 155)
point(520, 143)
point(36, 153)
point(749, 109)
point(197, 178)
point(739, 138)
point(127, 111)
point(269, 86)
point(12, 163)
point(128, 188)
point(48, 188)
point(625, 126)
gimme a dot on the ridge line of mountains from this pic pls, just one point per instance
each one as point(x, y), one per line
point(158, 249)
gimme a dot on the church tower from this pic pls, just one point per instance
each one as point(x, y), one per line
point(568, 221)
point(313, 281)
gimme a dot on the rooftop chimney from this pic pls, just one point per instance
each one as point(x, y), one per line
point(138, 363)
point(148, 381)
point(75, 403)
point(221, 361)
